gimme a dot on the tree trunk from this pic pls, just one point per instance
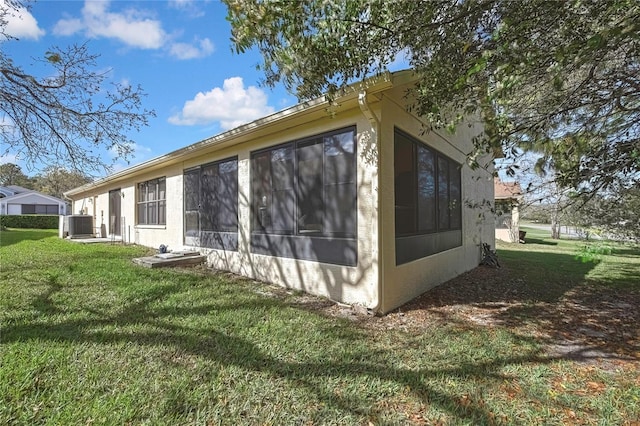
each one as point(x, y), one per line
point(555, 223)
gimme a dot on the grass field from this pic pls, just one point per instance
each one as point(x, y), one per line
point(88, 338)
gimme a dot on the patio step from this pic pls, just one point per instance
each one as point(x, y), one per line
point(171, 259)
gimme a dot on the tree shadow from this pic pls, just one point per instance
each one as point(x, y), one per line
point(548, 292)
point(143, 320)
point(589, 322)
point(43, 303)
point(626, 252)
point(539, 241)
point(512, 297)
point(12, 236)
point(525, 277)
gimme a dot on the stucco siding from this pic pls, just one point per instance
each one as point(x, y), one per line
point(349, 284)
point(169, 234)
point(376, 281)
point(12, 205)
point(406, 281)
point(14, 209)
point(507, 221)
point(341, 283)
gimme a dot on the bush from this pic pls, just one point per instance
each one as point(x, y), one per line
point(31, 221)
point(593, 252)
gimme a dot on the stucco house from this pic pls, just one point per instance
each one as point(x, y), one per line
point(508, 197)
point(350, 200)
point(16, 200)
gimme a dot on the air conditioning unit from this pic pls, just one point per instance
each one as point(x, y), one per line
point(78, 226)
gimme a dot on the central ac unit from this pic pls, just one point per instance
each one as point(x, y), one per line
point(78, 226)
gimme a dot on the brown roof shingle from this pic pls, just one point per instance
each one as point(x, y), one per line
point(505, 190)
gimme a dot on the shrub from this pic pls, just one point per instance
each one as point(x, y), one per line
point(593, 252)
point(29, 221)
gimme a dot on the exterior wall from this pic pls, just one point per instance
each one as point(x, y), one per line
point(13, 205)
point(401, 283)
point(148, 235)
point(508, 229)
point(14, 209)
point(341, 283)
point(376, 281)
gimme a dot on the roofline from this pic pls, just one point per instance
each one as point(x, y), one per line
point(6, 191)
point(17, 188)
point(372, 85)
point(40, 194)
point(509, 197)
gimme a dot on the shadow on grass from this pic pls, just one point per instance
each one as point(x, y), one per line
point(599, 322)
point(551, 294)
point(626, 276)
point(42, 303)
point(626, 251)
point(142, 321)
point(11, 236)
point(526, 277)
point(141, 317)
point(542, 242)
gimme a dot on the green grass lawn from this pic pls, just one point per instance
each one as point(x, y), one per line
point(86, 337)
point(604, 263)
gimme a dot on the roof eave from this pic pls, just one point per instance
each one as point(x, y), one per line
point(371, 85)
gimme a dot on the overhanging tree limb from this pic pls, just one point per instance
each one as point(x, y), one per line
point(545, 69)
point(68, 116)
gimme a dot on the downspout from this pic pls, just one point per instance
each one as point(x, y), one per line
point(66, 197)
point(375, 124)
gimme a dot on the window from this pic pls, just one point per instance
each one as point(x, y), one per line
point(428, 205)
point(304, 191)
point(152, 202)
point(211, 205)
point(306, 187)
point(192, 203)
point(273, 195)
point(40, 209)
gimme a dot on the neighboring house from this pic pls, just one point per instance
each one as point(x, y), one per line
point(508, 197)
point(351, 200)
point(15, 200)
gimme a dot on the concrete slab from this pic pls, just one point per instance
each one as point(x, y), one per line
point(94, 240)
point(177, 260)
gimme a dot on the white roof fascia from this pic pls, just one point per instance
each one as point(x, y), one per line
point(32, 193)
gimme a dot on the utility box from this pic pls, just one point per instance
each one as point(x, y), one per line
point(78, 226)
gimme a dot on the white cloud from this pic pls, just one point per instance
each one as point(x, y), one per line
point(115, 168)
point(21, 23)
point(285, 102)
point(232, 105)
point(132, 27)
point(192, 8)
point(67, 27)
point(189, 51)
point(181, 4)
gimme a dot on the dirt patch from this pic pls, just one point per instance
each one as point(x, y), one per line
point(581, 323)
point(585, 324)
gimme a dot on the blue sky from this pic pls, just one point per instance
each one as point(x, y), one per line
point(179, 51)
